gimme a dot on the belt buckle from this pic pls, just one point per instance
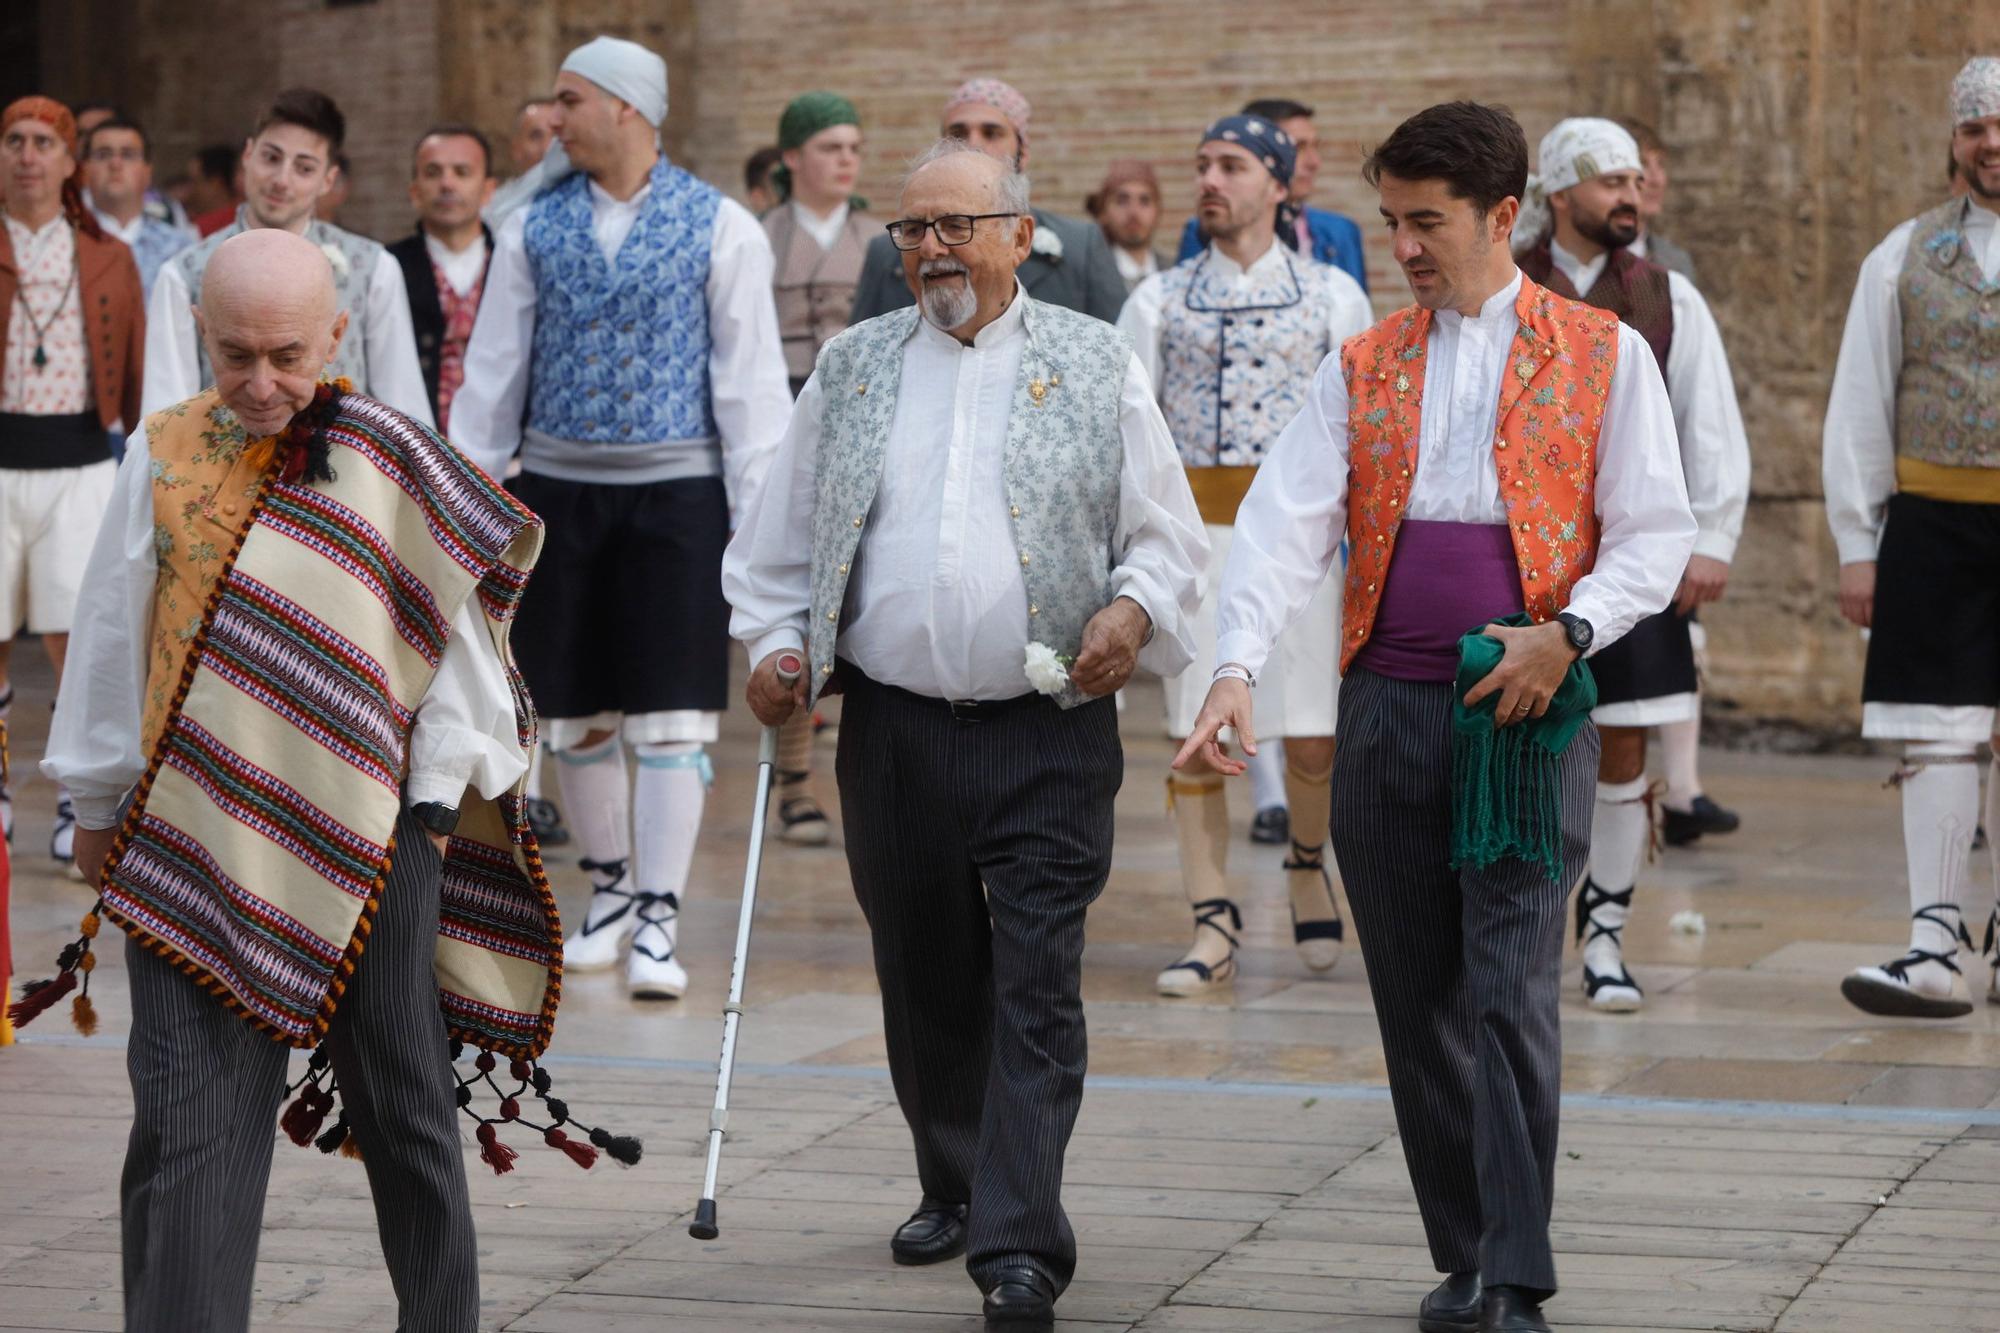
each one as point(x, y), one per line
point(965, 710)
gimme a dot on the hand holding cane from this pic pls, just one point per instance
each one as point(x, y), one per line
point(789, 667)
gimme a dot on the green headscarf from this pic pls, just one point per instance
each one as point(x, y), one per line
point(1507, 781)
point(808, 114)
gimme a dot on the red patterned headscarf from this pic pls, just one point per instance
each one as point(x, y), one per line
point(58, 118)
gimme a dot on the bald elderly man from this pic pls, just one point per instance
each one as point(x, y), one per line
point(258, 793)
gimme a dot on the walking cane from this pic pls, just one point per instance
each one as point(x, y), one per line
point(704, 1225)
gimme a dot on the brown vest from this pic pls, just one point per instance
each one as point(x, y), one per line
point(814, 287)
point(1634, 289)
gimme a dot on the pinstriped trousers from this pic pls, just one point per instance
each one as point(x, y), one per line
point(982, 999)
point(1465, 970)
point(205, 1094)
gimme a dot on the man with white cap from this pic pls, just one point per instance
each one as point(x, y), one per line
point(1590, 174)
point(1069, 263)
point(1230, 340)
point(627, 346)
point(1912, 473)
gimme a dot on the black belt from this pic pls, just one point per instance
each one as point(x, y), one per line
point(961, 710)
point(73, 439)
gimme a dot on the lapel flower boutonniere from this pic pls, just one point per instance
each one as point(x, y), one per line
point(1047, 244)
point(338, 259)
point(1048, 670)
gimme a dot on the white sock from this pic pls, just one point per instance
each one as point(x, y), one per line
point(1993, 820)
point(597, 798)
point(1940, 811)
point(1680, 746)
point(667, 803)
point(1619, 831)
point(1267, 775)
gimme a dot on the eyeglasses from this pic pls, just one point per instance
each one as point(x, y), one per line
point(952, 229)
point(117, 155)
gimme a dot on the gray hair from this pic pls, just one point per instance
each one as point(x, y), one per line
point(1010, 190)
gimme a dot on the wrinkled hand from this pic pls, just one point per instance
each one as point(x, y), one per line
point(1227, 705)
point(770, 698)
point(1704, 582)
point(1530, 671)
point(91, 847)
point(1110, 647)
point(1857, 592)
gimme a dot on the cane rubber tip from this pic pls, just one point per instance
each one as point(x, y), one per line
point(703, 1227)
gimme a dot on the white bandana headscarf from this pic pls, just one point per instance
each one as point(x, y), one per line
point(626, 70)
point(1975, 93)
point(1579, 149)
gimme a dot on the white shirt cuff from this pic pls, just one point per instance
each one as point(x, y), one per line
point(441, 787)
point(97, 813)
point(1241, 647)
point(1855, 548)
point(777, 641)
point(1716, 546)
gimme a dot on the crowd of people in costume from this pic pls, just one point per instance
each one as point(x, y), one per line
point(332, 543)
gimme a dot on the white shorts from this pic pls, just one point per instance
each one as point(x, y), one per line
point(1298, 689)
point(1656, 712)
point(48, 522)
point(1965, 724)
point(679, 725)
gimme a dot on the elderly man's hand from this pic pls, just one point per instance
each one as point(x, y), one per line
point(92, 846)
point(1110, 647)
point(1530, 671)
point(770, 696)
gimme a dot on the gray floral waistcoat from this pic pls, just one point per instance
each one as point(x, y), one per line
point(1063, 457)
point(1948, 393)
point(352, 259)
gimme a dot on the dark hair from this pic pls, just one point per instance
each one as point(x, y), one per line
point(118, 122)
point(310, 110)
point(1644, 135)
point(341, 164)
point(84, 108)
point(1277, 108)
point(217, 162)
point(1951, 168)
point(757, 170)
point(455, 130)
point(1478, 151)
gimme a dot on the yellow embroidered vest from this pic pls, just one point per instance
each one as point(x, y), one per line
point(1545, 448)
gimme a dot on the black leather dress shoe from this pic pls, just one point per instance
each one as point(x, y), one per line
point(1510, 1310)
point(1020, 1295)
point(1272, 824)
point(1453, 1307)
point(934, 1233)
point(1680, 827)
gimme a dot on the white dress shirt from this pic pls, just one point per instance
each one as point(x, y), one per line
point(748, 391)
point(382, 321)
point(461, 268)
point(824, 230)
point(1715, 452)
point(1858, 465)
point(465, 729)
point(1135, 271)
point(1295, 516)
point(936, 603)
point(1144, 317)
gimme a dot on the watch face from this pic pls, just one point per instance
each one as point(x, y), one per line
point(1581, 634)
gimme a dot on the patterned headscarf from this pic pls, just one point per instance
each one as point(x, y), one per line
point(58, 118)
point(808, 114)
point(1124, 171)
point(1579, 149)
point(1264, 141)
point(1002, 97)
point(1975, 93)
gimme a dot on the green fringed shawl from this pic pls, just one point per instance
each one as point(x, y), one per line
point(1506, 781)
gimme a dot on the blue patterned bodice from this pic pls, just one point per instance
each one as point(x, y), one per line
point(621, 349)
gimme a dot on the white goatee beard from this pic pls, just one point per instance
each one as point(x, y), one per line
point(948, 307)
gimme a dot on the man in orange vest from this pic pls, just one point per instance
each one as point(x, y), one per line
point(1492, 451)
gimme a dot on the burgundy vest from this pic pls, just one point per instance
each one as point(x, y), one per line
point(1634, 289)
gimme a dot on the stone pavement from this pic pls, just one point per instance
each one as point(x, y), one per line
point(1747, 1153)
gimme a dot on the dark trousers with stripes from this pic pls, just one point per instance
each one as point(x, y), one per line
point(976, 848)
point(1465, 969)
point(205, 1092)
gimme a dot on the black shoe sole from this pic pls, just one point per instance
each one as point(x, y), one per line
point(1895, 1002)
point(1432, 1324)
point(922, 1259)
point(1021, 1319)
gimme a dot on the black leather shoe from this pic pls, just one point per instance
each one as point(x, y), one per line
point(1510, 1310)
point(1681, 827)
point(1020, 1295)
point(934, 1233)
point(1273, 825)
point(1453, 1307)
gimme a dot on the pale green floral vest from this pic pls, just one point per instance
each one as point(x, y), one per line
point(1063, 457)
point(353, 260)
point(1948, 394)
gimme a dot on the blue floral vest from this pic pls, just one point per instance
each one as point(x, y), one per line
point(621, 349)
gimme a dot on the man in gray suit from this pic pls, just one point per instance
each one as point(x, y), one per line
point(1070, 264)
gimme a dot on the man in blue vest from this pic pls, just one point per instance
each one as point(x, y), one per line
point(627, 320)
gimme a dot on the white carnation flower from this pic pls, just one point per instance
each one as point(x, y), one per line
point(1047, 244)
point(1048, 670)
point(336, 257)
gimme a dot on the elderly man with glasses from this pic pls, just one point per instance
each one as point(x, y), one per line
point(976, 527)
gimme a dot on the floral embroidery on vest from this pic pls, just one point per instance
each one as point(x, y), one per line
point(1552, 400)
point(459, 314)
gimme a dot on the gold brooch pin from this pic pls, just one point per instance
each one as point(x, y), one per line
point(1037, 390)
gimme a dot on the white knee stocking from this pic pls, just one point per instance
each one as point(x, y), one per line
point(1940, 811)
point(597, 798)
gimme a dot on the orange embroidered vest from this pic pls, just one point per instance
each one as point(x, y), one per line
point(1545, 448)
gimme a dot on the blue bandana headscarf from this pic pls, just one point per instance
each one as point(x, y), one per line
point(1262, 138)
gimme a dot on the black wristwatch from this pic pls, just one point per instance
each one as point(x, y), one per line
point(1579, 632)
point(436, 816)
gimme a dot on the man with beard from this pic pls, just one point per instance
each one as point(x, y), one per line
point(1495, 451)
point(1070, 265)
point(444, 262)
point(288, 163)
point(971, 494)
point(1590, 172)
point(1912, 473)
point(1127, 207)
point(1231, 340)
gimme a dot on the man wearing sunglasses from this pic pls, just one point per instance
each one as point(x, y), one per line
point(976, 527)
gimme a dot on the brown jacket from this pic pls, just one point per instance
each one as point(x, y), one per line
point(814, 288)
point(114, 320)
